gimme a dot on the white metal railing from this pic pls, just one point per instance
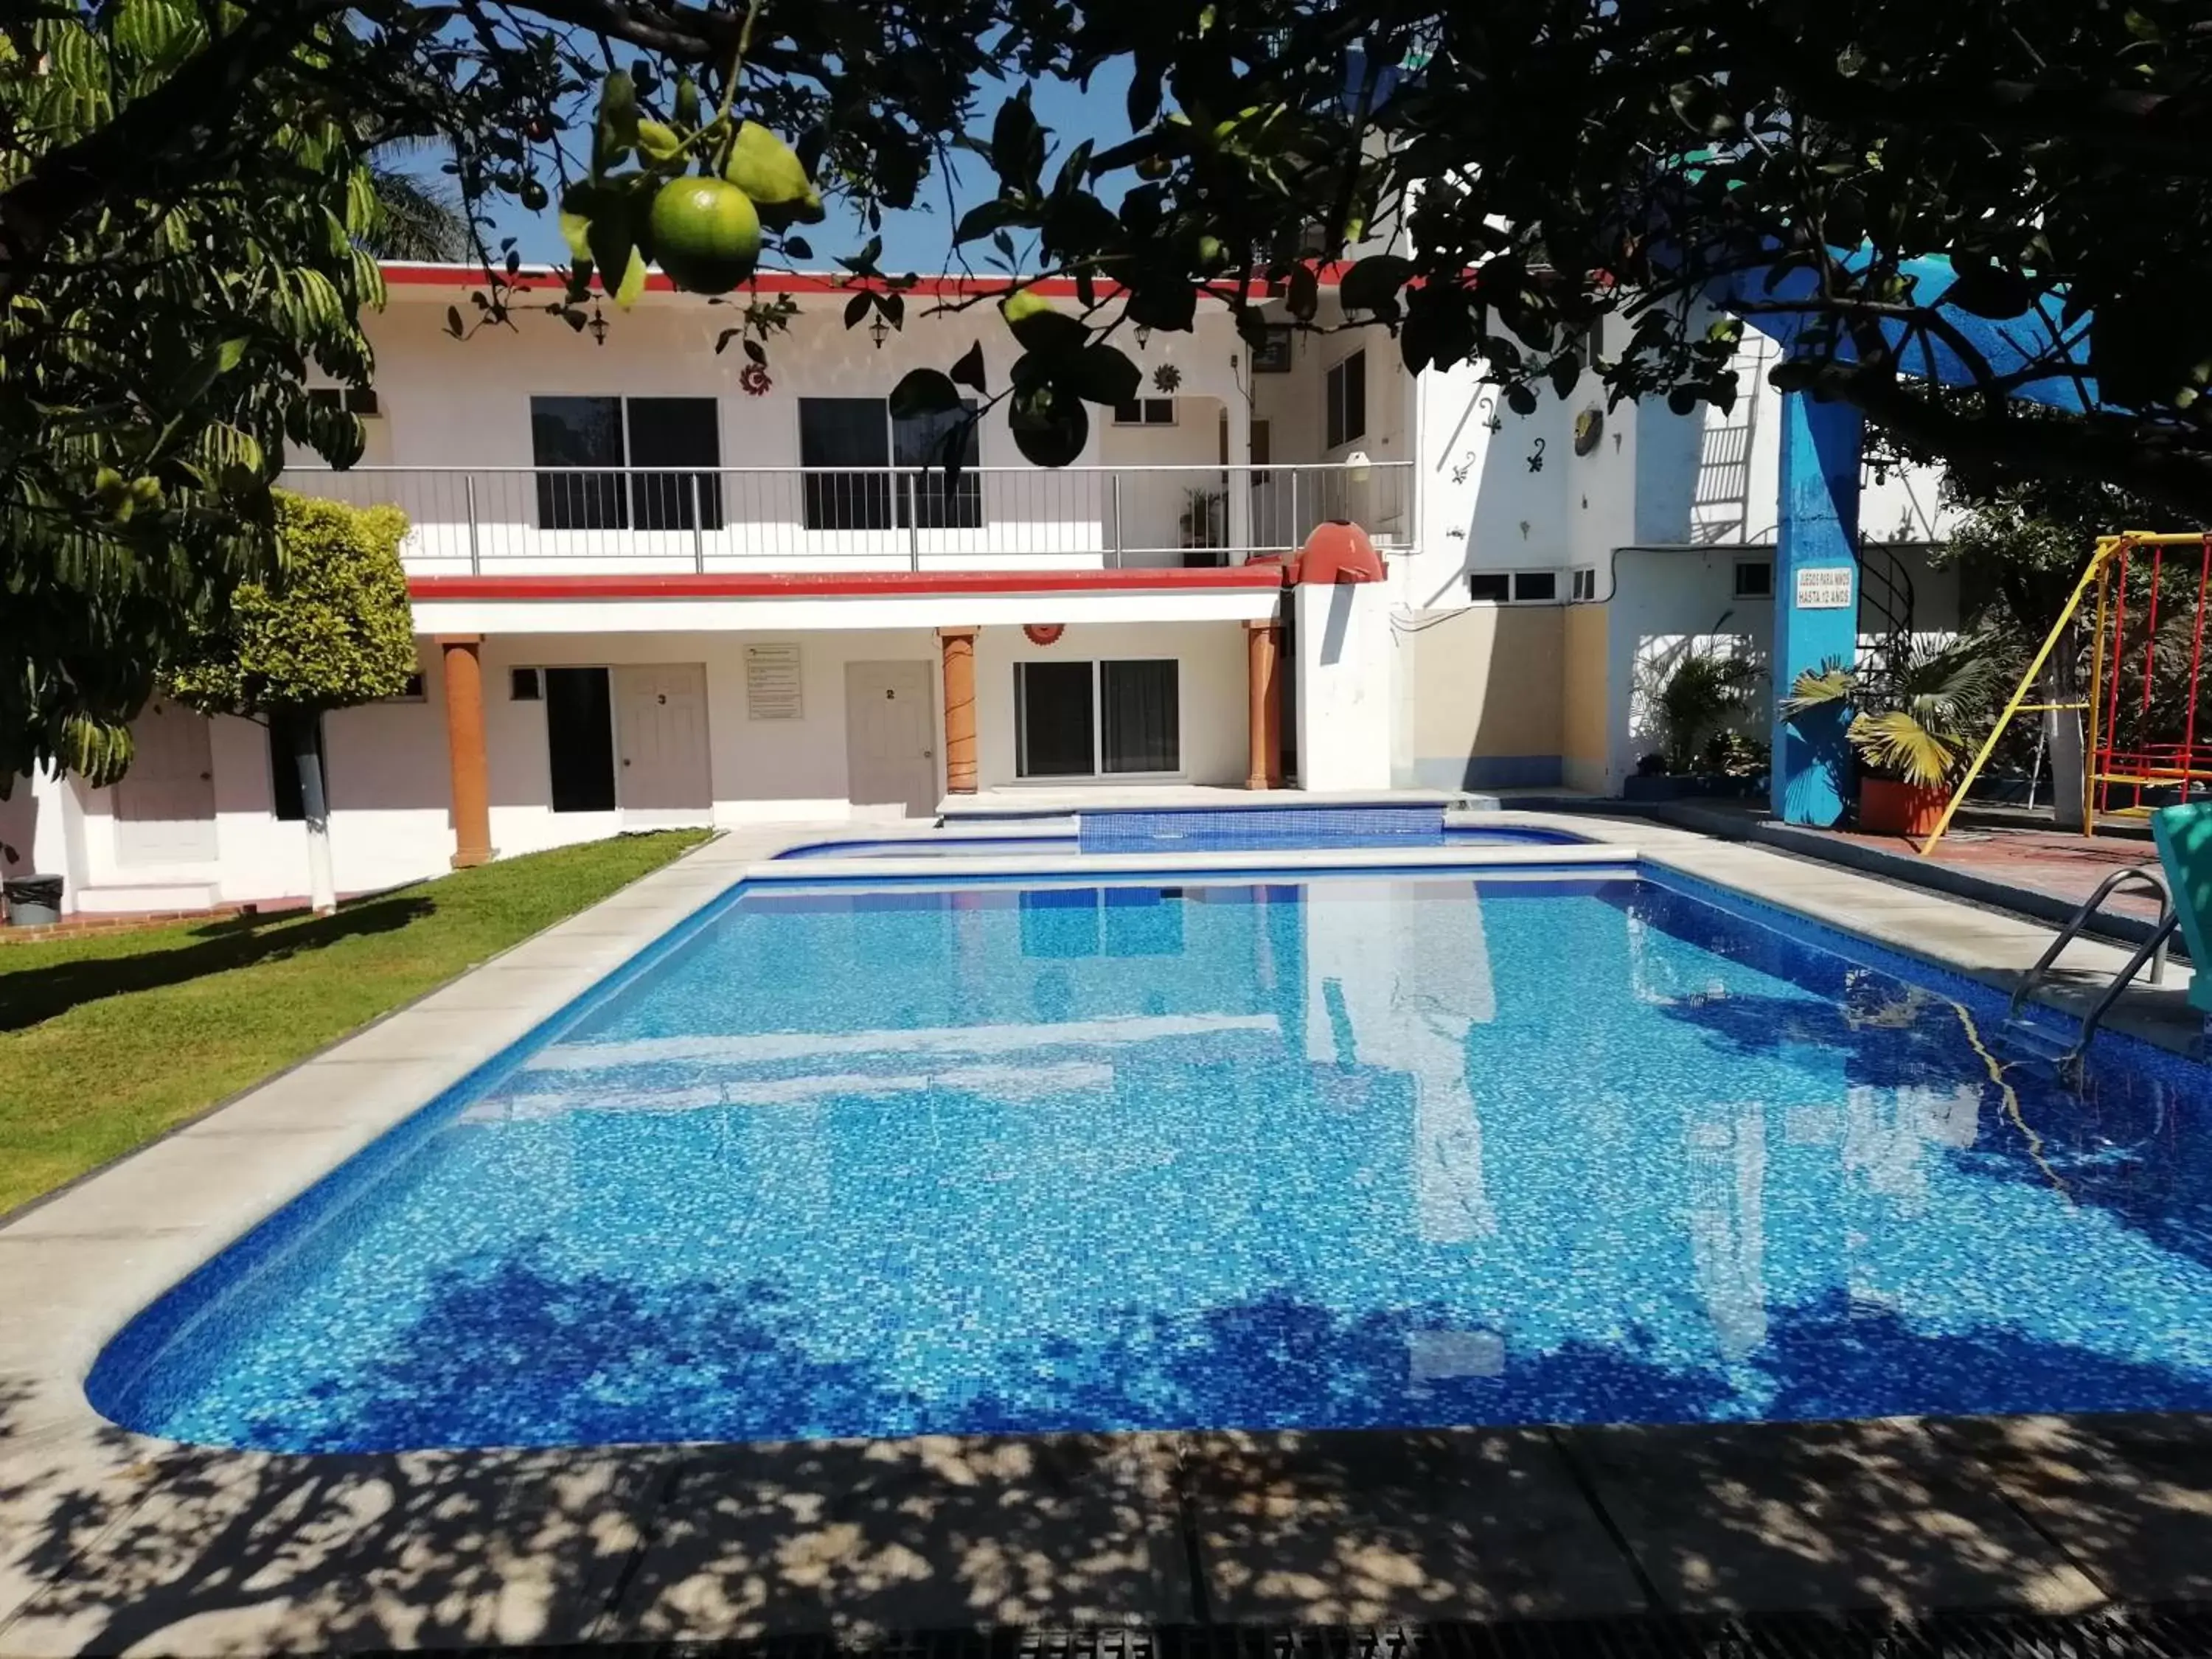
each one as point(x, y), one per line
point(725, 519)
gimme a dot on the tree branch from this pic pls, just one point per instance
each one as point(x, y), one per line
point(2121, 454)
point(172, 132)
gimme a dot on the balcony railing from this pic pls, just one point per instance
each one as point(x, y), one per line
point(732, 518)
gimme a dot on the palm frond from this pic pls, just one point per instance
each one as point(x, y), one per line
point(1899, 745)
point(422, 217)
point(1824, 687)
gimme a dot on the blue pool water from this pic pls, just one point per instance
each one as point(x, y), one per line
point(1011, 845)
point(1369, 1151)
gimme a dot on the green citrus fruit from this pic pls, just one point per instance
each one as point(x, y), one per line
point(1039, 326)
point(769, 171)
point(705, 234)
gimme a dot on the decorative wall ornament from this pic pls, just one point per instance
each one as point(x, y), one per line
point(1166, 378)
point(754, 380)
point(1589, 427)
point(1537, 457)
point(1043, 633)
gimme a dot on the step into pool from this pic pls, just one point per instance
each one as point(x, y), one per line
point(1378, 1150)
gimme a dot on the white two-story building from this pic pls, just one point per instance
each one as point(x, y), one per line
point(655, 585)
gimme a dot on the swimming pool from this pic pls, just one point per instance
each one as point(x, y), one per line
point(1014, 844)
point(1376, 1150)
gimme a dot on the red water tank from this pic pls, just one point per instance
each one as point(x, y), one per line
point(1338, 551)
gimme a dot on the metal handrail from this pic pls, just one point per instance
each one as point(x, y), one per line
point(715, 517)
point(2152, 950)
point(674, 468)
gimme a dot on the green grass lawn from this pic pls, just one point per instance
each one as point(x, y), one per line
point(107, 1040)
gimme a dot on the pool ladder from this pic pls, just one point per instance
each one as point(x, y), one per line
point(2045, 1044)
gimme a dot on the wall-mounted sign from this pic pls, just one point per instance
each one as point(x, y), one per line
point(772, 682)
point(1825, 588)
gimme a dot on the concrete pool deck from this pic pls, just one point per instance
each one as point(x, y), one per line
point(114, 1542)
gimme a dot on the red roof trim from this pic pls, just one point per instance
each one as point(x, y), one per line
point(948, 285)
point(871, 584)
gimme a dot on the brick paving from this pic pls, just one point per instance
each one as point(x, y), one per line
point(2063, 864)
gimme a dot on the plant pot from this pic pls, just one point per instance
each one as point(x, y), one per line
point(32, 901)
point(1888, 807)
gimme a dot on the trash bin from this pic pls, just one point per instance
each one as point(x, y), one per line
point(32, 901)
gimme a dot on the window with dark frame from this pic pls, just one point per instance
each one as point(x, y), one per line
point(1078, 719)
point(580, 739)
point(840, 433)
point(1492, 587)
point(578, 433)
point(1146, 411)
point(1585, 581)
point(1052, 715)
point(1754, 578)
point(927, 500)
point(675, 432)
point(836, 434)
point(571, 437)
point(1535, 587)
point(1346, 400)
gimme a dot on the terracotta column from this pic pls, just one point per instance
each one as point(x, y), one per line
point(958, 646)
point(1263, 650)
point(464, 747)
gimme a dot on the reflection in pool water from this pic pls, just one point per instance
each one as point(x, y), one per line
point(1364, 1152)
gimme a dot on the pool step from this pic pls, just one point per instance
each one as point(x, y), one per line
point(2031, 1040)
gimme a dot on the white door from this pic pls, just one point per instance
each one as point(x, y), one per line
point(661, 744)
point(165, 805)
point(891, 737)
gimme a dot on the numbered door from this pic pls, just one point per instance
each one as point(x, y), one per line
point(891, 737)
point(661, 774)
point(165, 805)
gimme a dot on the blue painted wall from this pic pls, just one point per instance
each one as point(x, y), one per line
point(1819, 531)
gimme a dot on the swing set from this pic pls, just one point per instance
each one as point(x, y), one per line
point(2131, 743)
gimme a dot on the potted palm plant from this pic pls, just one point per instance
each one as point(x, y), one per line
point(1916, 710)
point(1697, 708)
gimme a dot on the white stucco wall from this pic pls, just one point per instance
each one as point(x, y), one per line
point(1211, 691)
point(1348, 710)
point(1664, 602)
point(463, 406)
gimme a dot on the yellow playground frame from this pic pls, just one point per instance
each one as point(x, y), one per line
point(2098, 574)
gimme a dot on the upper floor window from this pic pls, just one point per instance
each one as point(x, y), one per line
point(1146, 411)
point(1754, 578)
point(849, 445)
point(571, 436)
point(1346, 395)
point(1515, 586)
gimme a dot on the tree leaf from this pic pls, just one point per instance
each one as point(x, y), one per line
point(923, 392)
point(968, 370)
point(985, 217)
point(1017, 143)
point(632, 281)
point(1373, 283)
point(857, 307)
point(1101, 373)
point(1049, 429)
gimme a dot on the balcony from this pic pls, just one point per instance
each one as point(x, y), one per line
point(526, 520)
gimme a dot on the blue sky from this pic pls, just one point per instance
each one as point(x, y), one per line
point(920, 239)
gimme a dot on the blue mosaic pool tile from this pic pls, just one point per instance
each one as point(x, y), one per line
point(1132, 829)
point(1380, 1151)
